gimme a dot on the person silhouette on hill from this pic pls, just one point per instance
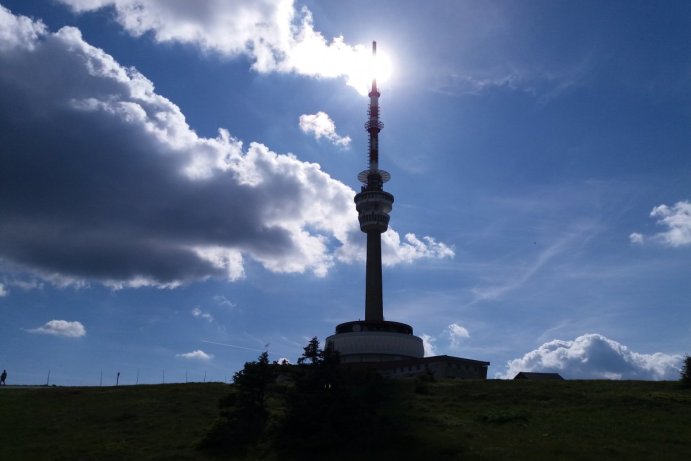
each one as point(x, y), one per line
point(3, 377)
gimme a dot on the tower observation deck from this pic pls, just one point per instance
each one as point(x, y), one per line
point(374, 339)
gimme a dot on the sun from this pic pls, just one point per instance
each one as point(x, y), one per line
point(364, 67)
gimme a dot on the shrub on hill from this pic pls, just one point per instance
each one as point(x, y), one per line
point(686, 372)
point(243, 413)
point(310, 406)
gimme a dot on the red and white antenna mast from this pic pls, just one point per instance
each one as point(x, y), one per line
point(373, 127)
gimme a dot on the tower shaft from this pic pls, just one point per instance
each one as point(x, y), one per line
point(374, 299)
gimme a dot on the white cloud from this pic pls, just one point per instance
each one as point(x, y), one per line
point(677, 223)
point(456, 333)
point(225, 302)
point(197, 312)
point(428, 345)
point(275, 36)
point(677, 220)
point(3, 290)
point(61, 328)
point(18, 32)
point(395, 252)
point(321, 125)
point(224, 202)
point(196, 355)
point(541, 82)
point(593, 356)
point(462, 84)
point(24, 283)
point(635, 238)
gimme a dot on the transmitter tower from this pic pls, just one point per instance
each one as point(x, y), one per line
point(374, 339)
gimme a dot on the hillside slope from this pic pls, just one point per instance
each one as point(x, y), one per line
point(474, 420)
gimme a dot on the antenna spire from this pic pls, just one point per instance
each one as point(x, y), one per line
point(374, 60)
point(373, 177)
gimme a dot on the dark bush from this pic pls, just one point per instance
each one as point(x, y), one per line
point(685, 378)
point(317, 406)
point(242, 414)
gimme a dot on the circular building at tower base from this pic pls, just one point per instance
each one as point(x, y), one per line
point(363, 341)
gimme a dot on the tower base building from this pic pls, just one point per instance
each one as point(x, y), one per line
point(363, 341)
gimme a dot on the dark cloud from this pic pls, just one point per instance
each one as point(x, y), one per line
point(103, 179)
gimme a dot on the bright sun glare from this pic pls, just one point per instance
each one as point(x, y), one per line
point(365, 67)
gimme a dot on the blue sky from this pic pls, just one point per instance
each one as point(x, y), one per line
point(177, 182)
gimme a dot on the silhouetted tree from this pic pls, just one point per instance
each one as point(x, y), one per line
point(329, 403)
point(243, 413)
point(312, 352)
point(317, 406)
point(253, 380)
point(686, 372)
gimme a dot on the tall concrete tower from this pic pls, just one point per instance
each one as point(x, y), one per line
point(374, 339)
point(373, 206)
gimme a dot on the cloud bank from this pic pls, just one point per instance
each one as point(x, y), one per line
point(320, 126)
point(272, 33)
point(104, 180)
point(593, 356)
point(62, 328)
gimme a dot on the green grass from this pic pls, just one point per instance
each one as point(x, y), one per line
point(551, 420)
point(450, 420)
point(106, 423)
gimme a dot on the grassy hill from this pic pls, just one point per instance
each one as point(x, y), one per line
point(469, 420)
